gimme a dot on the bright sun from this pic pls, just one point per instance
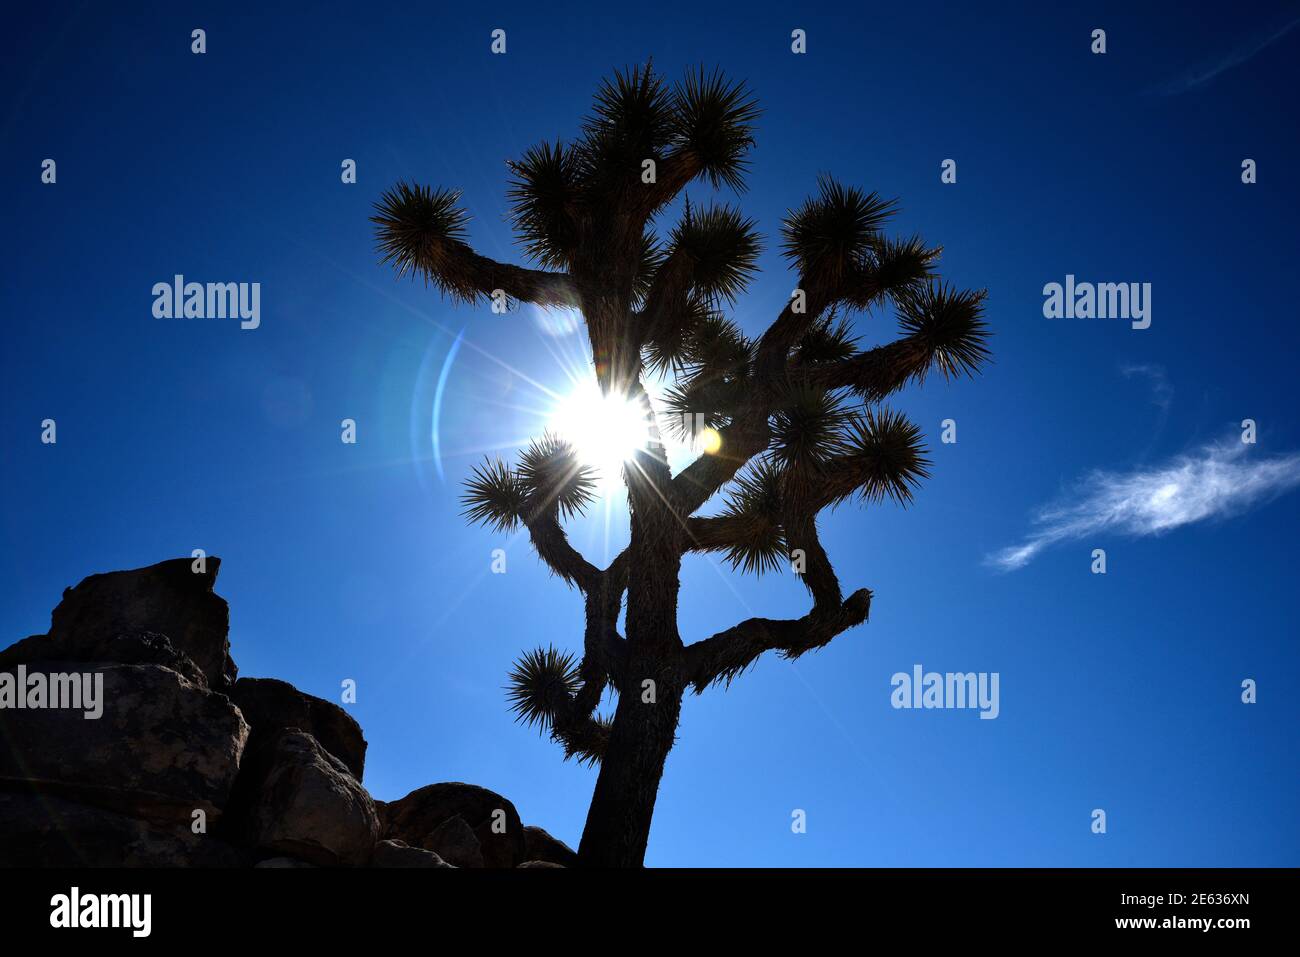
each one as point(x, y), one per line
point(606, 431)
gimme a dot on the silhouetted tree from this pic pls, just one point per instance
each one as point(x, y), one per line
point(794, 416)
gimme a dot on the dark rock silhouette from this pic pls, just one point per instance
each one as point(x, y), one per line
point(306, 804)
point(455, 842)
point(164, 747)
point(188, 767)
point(422, 819)
point(139, 648)
point(170, 598)
point(40, 830)
point(541, 848)
point(270, 705)
point(400, 854)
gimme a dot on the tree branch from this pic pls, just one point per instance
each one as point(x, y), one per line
point(582, 737)
point(749, 432)
point(782, 335)
point(745, 437)
point(818, 573)
point(422, 230)
point(666, 298)
point(714, 534)
point(672, 173)
point(730, 652)
point(461, 267)
point(876, 373)
point(552, 546)
point(945, 331)
point(546, 690)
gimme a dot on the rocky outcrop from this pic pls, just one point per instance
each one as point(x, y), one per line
point(455, 842)
point(42, 830)
point(139, 648)
point(162, 748)
point(540, 846)
point(400, 854)
point(271, 706)
point(307, 805)
point(174, 598)
point(126, 740)
point(488, 817)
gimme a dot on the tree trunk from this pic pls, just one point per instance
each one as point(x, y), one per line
point(649, 691)
point(618, 822)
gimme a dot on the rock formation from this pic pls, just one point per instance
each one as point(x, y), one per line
point(189, 766)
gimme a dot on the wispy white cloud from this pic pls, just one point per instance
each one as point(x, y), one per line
point(1200, 75)
point(1213, 482)
point(1162, 393)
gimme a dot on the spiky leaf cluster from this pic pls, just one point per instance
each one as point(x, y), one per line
point(691, 408)
point(948, 325)
point(651, 259)
point(886, 456)
point(589, 747)
point(542, 682)
point(494, 496)
point(887, 268)
point(559, 191)
point(829, 339)
point(827, 237)
point(807, 429)
point(718, 347)
point(714, 375)
point(632, 120)
point(551, 475)
point(714, 124)
point(418, 231)
point(544, 207)
point(669, 350)
point(722, 246)
point(752, 511)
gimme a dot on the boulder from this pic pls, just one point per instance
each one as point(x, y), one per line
point(168, 598)
point(41, 830)
point(541, 864)
point(270, 706)
point(492, 818)
point(540, 846)
point(134, 648)
point(453, 840)
point(401, 854)
point(303, 802)
point(162, 747)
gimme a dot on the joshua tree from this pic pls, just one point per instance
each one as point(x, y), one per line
point(791, 420)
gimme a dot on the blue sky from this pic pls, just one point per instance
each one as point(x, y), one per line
point(1119, 692)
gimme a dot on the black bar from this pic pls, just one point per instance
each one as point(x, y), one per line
point(380, 906)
